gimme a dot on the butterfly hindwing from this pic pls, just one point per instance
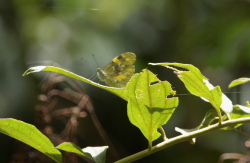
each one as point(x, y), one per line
point(119, 71)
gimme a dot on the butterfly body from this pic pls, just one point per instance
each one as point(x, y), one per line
point(119, 71)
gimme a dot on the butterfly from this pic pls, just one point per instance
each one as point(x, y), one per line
point(119, 71)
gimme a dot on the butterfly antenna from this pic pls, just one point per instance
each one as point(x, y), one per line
point(95, 60)
point(93, 77)
point(88, 61)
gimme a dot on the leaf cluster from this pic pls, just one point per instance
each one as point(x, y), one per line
point(150, 103)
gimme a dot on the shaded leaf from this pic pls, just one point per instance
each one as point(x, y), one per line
point(71, 147)
point(97, 154)
point(30, 135)
point(209, 118)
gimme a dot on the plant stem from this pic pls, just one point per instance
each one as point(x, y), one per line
point(182, 138)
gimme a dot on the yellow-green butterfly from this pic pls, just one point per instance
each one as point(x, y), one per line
point(119, 71)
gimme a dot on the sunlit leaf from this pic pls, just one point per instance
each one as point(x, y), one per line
point(30, 135)
point(117, 91)
point(239, 111)
point(199, 85)
point(227, 104)
point(148, 105)
point(98, 153)
point(238, 82)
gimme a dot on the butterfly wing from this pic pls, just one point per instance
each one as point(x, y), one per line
point(119, 71)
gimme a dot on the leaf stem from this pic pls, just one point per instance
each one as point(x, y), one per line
point(163, 133)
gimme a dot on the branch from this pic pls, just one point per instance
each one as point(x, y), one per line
point(182, 138)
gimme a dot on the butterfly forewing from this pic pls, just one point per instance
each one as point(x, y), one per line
point(119, 71)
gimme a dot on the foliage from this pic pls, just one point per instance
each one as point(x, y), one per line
point(149, 108)
point(30, 135)
point(202, 32)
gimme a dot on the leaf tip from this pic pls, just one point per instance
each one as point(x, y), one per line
point(153, 64)
point(33, 69)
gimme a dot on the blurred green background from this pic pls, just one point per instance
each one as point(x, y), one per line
point(212, 35)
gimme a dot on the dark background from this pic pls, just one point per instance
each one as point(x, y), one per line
point(212, 35)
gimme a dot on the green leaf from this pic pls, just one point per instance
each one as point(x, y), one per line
point(71, 147)
point(154, 108)
point(148, 105)
point(117, 91)
point(97, 154)
point(30, 135)
point(238, 82)
point(199, 85)
point(240, 112)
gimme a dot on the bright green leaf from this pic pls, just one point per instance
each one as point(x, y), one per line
point(153, 105)
point(117, 91)
point(199, 85)
point(30, 135)
point(238, 82)
point(148, 105)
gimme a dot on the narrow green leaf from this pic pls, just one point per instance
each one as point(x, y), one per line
point(117, 91)
point(209, 118)
point(30, 135)
point(199, 85)
point(238, 82)
point(148, 105)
